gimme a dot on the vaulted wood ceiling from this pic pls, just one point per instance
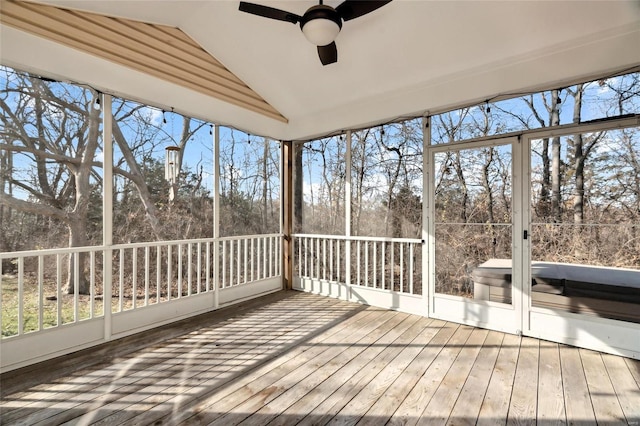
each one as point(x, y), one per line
point(158, 50)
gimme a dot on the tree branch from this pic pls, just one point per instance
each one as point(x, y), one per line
point(34, 208)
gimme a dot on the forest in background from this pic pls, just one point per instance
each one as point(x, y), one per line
point(51, 179)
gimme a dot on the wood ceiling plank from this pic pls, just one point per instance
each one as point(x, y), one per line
point(37, 30)
point(136, 32)
point(164, 52)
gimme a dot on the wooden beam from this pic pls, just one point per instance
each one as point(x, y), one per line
point(288, 148)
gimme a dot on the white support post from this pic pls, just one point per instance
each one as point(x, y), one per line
point(216, 217)
point(107, 213)
point(521, 284)
point(347, 208)
point(428, 236)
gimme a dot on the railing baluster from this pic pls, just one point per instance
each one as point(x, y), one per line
point(319, 265)
point(199, 267)
point(265, 253)
point(324, 259)
point(258, 257)
point(189, 268)
point(246, 260)
point(298, 244)
point(146, 276)
point(269, 257)
point(391, 275)
point(76, 285)
point(232, 262)
point(238, 261)
point(179, 271)
point(339, 266)
point(59, 289)
point(276, 260)
point(121, 281)
point(224, 264)
point(169, 271)
point(92, 282)
point(20, 296)
point(375, 264)
point(305, 251)
point(253, 258)
point(232, 259)
point(358, 245)
point(331, 259)
point(401, 267)
point(208, 266)
point(40, 292)
point(382, 264)
point(312, 257)
point(411, 267)
point(366, 263)
point(134, 278)
point(158, 273)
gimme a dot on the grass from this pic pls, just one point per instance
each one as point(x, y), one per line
point(32, 306)
point(32, 303)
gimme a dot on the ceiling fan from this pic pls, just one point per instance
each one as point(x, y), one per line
point(320, 23)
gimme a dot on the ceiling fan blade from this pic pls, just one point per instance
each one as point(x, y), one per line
point(269, 12)
point(351, 9)
point(328, 54)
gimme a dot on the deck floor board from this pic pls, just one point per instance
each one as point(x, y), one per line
point(296, 358)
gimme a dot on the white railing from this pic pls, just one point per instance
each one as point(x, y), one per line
point(33, 283)
point(32, 289)
point(249, 258)
point(158, 272)
point(393, 264)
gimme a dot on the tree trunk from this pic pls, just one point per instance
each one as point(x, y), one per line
point(463, 187)
point(297, 188)
point(486, 184)
point(579, 161)
point(77, 238)
point(77, 219)
point(543, 209)
point(556, 195)
point(265, 189)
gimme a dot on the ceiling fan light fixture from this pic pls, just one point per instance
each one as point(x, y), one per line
point(321, 31)
point(321, 25)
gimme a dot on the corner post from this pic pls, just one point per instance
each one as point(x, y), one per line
point(287, 157)
point(107, 213)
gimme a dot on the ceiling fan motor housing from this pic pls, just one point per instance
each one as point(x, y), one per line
point(321, 24)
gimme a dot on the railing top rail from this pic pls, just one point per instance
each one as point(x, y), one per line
point(360, 238)
point(248, 237)
point(48, 252)
point(66, 250)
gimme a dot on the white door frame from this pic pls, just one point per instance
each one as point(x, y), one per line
point(601, 334)
point(480, 313)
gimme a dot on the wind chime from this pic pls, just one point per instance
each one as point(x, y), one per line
point(171, 166)
point(171, 169)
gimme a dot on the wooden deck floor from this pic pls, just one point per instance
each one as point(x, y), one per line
point(294, 358)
